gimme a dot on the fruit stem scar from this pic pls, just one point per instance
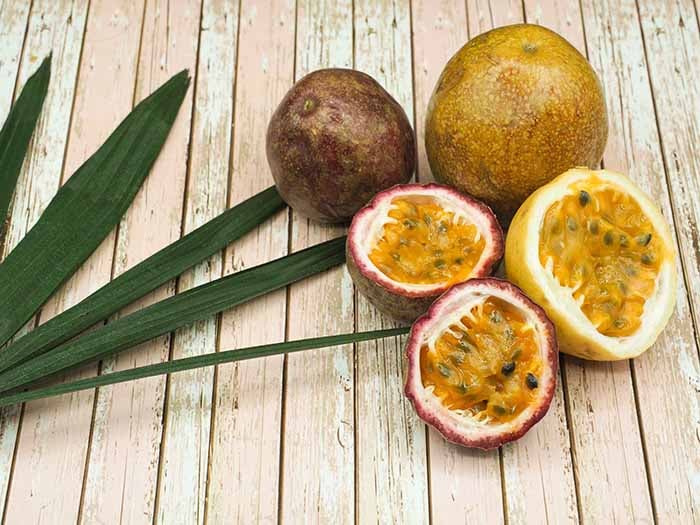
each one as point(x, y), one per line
point(309, 105)
point(529, 47)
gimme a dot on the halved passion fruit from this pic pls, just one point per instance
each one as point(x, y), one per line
point(595, 252)
point(412, 242)
point(482, 364)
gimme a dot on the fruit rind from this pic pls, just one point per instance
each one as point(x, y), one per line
point(463, 430)
point(406, 302)
point(576, 335)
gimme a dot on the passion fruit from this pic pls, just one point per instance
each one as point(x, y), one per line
point(336, 139)
point(514, 108)
point(595, 252)
point(482, 364)
point(412, 242)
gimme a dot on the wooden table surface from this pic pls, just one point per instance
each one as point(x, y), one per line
point(327, 436)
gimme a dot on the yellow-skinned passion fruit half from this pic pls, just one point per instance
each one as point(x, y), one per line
point(594, 251)
point(412, 242)
point(482, 364)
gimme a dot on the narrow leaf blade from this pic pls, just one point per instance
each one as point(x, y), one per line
point(177, 311)
point(86, 208)
point(190, 363)
point(17, 132)
point(145, 277)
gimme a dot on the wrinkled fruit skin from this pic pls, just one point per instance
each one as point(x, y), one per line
point(512, 109)
point(438, 417)
point(336, 139)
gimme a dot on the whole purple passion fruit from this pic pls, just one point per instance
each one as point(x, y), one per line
point(412, 242)
point(482, 364)
point(336, 139)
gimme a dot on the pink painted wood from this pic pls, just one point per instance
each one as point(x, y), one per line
point(122, 467)
point(247, 414)
point(326, 436)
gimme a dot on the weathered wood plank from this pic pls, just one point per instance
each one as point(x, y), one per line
point(55, 434)
point(185, 447)
point(13, 25)
point(318, 442)
point(483, 15)
point(122, 470)
point(247, 420)
point(668, 376)
point(609, 459)
point(391, 461)
point(439, 30)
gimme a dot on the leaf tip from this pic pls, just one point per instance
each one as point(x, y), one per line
point(46, 63)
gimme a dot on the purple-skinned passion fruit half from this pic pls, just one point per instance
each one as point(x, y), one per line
point(336, 139)
point(413, 242)
point(482, 364)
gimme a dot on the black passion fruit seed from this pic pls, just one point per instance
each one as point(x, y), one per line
point(644, 239)
point(531, 381)
point(508, 368)
point(584, 198)
point(465, 345)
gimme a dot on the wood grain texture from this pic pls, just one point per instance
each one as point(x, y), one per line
point(439, 31)
point(318, 441)
point(13, 27)
point(247, 420)
point(668, 376)
point(391, 461)
point(185, 448)
point(484, 15)
point(55, 434)
point(122, 468)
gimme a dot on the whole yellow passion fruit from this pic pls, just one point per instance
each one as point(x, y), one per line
point(514, 108)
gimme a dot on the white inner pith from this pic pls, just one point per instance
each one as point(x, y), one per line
point(378, 217)
point(450, 321)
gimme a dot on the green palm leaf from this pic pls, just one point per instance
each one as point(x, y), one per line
point(189, 363)
point(179, 310)
point(86, 208)
point(17, 131)
point(146, 276)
